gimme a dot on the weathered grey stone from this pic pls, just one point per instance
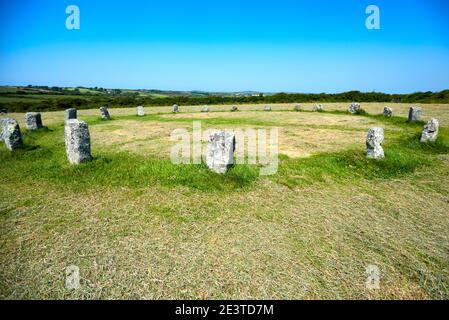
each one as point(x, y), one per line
point(220, 151)
point(33, 120)
point(234, 108)
point(11, 134)
point(77, 141)
point(318, 108)
point(297, 107)
point(175, 108)
point(70, 114)
point(430, 131)
point(414, 114)
point(374, 141)
point(140, 111)
point(105, 113)
point(205, 109)
point(267, 108)
point(2, 124)
point(388, 112)
point(354, 107)
point(1, 128)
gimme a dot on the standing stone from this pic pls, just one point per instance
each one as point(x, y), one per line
point(318, 108)
point(354, 107)
point(267, 108)
point(234, 108)
point(414, 114)
point(140, 111)
point(70, 114)
point(388, 112)
point(175, 108)
point(2, 124)
point(11, 134)
point(105, 113)
point(430, 131)
point(374, 141)
point(77, 141)
point(33, 120)
point(297, 107)
point(220, 151)
point(205, 109)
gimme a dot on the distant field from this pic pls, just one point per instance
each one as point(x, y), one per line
point(141, 227)
point(35, 97)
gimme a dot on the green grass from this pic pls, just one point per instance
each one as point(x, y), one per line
point(42, 158)
point(140, 227)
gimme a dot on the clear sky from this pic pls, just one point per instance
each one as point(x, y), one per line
point(227, 45)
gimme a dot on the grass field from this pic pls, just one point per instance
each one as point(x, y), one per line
point(141, 227)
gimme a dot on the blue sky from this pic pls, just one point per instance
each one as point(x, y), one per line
point(227, 45)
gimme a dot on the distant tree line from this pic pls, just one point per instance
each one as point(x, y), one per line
point(87, 102)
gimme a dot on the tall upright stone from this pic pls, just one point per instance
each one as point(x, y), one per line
point(318, 108)
point(374, 141)
point(220, 151)
point(70, 113)
point(77, 141)
point(11, 134)
point(414, 114)
point(205, 109)
point(430, 131)
point(140, 111)
point(388, 112)
point(105, 113)
point(175, 108)
point(267, 108)
point(2, 123)
point(354, 108)
point(33, 120)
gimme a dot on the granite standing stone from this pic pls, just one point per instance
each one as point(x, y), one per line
point(205, 109)
point(430, 131)
point(77, 141)
point(414, 114)
point(220, 151)
point(234, 108)
point(267, 108)
point(105, 113)
point(140, 111)
point(11, 134)
point(2, 123)
point(175, 108)
point(297, 107)
point(374, 141)
point(354, 107)
point(33, 120)
point(318, 108)
point(388, 112)
point(70, 114)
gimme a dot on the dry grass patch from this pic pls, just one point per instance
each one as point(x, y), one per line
point(267, 242)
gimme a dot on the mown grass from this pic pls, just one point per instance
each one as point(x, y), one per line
point(140, 227)
point(43, 157)
point(402, 156)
